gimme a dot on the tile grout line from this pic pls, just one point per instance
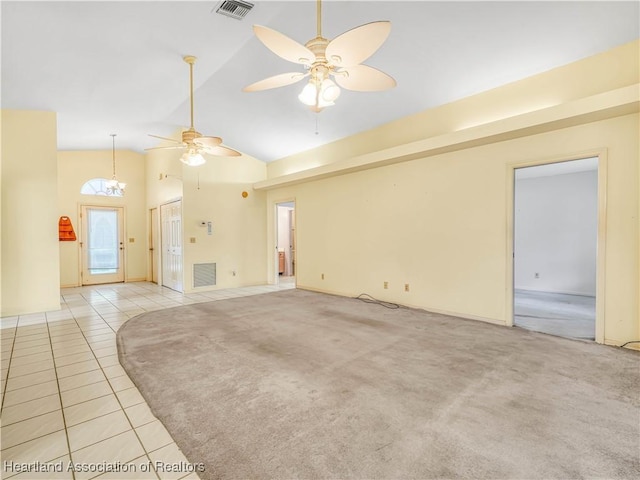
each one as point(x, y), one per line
point(64, 420)
point(117, 400)
point(6, 382)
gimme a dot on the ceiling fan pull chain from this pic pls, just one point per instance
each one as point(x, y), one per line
point(317, 132)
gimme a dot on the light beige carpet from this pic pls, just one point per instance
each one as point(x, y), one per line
point(296, 384)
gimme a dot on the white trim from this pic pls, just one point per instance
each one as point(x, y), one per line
point(466, 316)
point(275, 280)
point(602, 230)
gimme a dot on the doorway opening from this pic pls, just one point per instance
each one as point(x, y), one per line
point(102, 245)
point(171, 238)
point(285, 258)
point(555, 248)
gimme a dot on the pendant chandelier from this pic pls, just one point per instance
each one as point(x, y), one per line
point(114, 187)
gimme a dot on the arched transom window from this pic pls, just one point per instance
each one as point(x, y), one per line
point(98, 186)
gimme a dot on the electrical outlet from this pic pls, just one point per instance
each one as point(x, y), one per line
point(536, 275)
point(132, 240)
point(192, 239)
point(386, 285)
point(406, 287)
point(322, 276)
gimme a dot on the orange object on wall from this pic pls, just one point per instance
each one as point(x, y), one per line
point(65, 230)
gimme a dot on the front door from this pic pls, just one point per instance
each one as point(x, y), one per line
point(102, 245)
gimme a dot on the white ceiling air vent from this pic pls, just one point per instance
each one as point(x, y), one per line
point(234, 8)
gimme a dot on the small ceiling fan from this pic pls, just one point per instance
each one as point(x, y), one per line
point(194, 143)
point(340, 58)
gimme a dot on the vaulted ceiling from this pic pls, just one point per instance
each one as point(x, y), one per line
point(116, 67)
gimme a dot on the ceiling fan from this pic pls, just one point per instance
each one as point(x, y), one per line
point(340, 58)
point(194, 143)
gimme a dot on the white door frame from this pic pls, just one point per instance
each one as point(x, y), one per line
point(601, 154)
point(275, 240)
point(154, 246)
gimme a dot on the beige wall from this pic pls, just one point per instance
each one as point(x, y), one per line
point(77, 167)
point(439, 223)
point(29, 223)
point(213, 192)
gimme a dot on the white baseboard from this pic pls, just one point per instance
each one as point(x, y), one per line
point(493, 321)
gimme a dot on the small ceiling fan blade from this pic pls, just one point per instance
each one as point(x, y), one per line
point(207, 141)
point(221, 151)
point(356, 45)
point(165, 138)
point(363, 78)
point(283, 46)
point(166, 148)
point(276, 81)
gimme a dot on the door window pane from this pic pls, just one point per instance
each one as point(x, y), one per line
point(102, 241)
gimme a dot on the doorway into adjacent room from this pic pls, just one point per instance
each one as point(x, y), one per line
point(285, 253)
point(171, 240)
point(555, 240)
point(102, 245)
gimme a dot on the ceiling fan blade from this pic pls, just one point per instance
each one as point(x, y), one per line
point(221, 151)
point(356, 45)
point(166, 148)
point(363, 78)
point(207, 141)
point(165, 138)
point(275, 81)
point(283, 46)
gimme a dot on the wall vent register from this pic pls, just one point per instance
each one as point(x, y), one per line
point(204, 274)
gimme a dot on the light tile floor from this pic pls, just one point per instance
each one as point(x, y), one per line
point(65, 398)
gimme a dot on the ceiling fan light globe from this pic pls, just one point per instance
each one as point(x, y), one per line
point(323, 104)
point(329, 91)
point(192, 159)
point(308, 94)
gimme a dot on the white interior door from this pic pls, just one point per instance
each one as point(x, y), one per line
point(102, 245)
point(171, 219)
